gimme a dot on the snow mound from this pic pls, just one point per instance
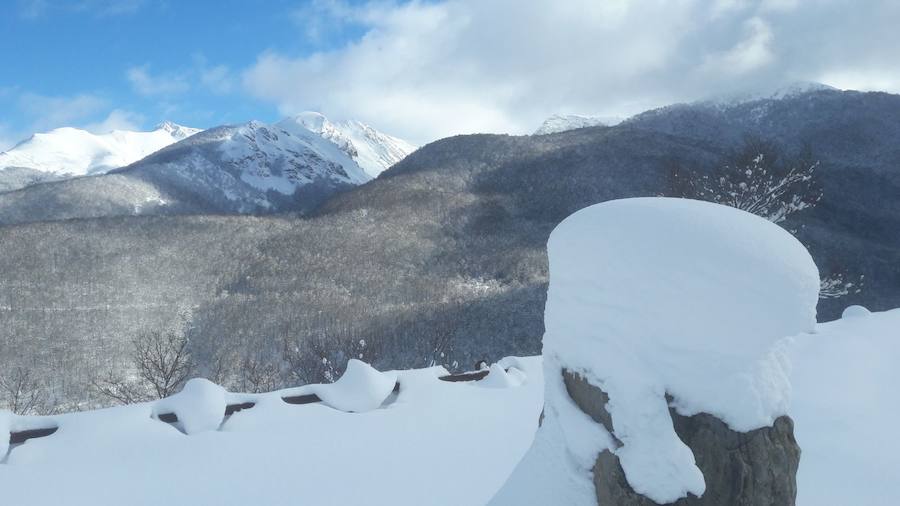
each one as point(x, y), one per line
point(656, 296)
point(200, 406)
point(855, 312)
point(498, 377)
point(361, 388)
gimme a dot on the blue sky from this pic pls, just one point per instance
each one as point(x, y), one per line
point(419, 69)
point(77, 61)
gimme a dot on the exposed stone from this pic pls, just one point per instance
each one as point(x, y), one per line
point(740, 468)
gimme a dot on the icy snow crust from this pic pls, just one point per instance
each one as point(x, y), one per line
point(437, 443)
point(656, 296)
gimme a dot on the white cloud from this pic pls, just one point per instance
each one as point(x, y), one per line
point(147, 84)
point(217, 79)
point(47, 112)
point(748, 55)
point(117, 119)
point(429, 69)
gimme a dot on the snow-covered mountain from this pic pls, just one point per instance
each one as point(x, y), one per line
point(374, 151)
point(565, 122)
point(70, 152)
point(246, 168)
point(251, 167)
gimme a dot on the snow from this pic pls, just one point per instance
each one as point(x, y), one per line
point(200, 406)
point(845, 410)
point(5, 428)
point(374, 151)
point(73, 152)
point(565, 122)
point(361, 388)
point(652, 296)
point(438, 443)
point(257, 149)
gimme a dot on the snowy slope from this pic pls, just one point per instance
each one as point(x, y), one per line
point(565, 122)
point(374, 151)
point(248, 168)
point(69, 152)
point(434, 442)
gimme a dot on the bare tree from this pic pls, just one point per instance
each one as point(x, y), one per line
point(755, 179)
point(22, 391)
point(259, 375)
point(163, 360)
point(835, 286)
point(119, 388)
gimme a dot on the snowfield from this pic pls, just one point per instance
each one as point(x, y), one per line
point(433, 442)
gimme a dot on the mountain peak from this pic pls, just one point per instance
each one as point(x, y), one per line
point(175, 130)
point(564, 122)
point(374, 151)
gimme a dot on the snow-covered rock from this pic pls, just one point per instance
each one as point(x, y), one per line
point(361, 388)
point(565, 122)
point(655, 296)
point(68, 152)
point(200, 406)
point(374, 151)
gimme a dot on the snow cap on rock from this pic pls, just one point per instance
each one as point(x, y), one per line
point(200, 406)
point(656, 296)
point(361, 388)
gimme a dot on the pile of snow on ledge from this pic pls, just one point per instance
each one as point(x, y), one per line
point(652, 296)
point(400, 453)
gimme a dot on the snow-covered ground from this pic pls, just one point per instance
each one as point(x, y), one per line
point(434, 442)
point(846, 410)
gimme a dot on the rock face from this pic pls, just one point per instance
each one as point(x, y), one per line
point(740, 468)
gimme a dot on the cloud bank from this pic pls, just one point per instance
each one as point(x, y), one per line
point(425, 70)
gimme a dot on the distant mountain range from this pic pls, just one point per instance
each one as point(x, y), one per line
point(292, 165)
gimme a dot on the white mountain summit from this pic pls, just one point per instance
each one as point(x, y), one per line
point(71, 152)
point(374, 151)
